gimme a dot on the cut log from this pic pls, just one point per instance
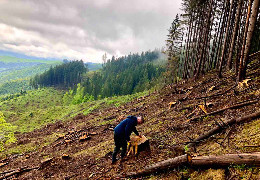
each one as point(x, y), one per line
point(226, 108)
point(218, 129)
point(167, 164)
point(226, 160)
point(200, 161)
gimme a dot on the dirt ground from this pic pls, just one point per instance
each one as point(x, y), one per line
point(59, 153)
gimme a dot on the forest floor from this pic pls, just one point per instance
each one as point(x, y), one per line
point(57, 148)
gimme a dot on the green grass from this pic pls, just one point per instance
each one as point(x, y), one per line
point(39, 107)
point(34, 109)
point(24, 148)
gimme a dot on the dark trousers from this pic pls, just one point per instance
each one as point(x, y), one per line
point(120, 141)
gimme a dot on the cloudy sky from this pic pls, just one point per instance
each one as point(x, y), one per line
point(84, 29)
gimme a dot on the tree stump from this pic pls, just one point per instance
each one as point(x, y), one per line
point(138, 144)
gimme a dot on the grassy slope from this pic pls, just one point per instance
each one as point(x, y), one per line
point(23, 73)
point(13, 79)
point(164, 127)
point(40, 107)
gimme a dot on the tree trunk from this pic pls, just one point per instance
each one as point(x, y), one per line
point(205, 40)
point(220, 38)
point(200, 161)
point(226, 37)
point(166, 164)
point(234, 35)
point(241, 65)
point(249, 37)
point(225, 160)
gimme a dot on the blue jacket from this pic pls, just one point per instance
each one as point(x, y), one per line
point(126, 127)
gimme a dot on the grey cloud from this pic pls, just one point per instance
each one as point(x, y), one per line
point(100, 25)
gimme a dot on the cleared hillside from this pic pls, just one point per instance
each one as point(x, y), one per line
point(168, 129)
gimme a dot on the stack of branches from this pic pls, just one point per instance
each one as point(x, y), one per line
point(72, 136)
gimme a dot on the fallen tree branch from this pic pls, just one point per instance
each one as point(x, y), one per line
point(5, 172)
point(226, 136)
point(223, 109)
point(218, 129)
point(252, 146)
point(200, 161)
point(3, 164)
point(17, 172)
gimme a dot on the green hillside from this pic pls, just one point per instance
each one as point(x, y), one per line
point(16, 72)
point(23, 73)
point(10, 59)
point(36, 108)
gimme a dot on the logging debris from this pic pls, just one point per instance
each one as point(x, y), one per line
point(230, 122)
point(238, 105)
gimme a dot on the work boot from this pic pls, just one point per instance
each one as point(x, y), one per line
point(123, 159)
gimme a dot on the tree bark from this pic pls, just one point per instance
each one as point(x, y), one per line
point(220, 38)
point(241, 65)
point(225, 160)
point(205, 40)
point(249, 37)
point(234, 35)
point(226, 37)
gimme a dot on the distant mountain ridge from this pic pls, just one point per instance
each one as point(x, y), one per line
point(23, 56)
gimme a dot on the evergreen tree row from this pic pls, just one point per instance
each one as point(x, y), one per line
point(118, 76)
point(124, 75)
point(63, 76)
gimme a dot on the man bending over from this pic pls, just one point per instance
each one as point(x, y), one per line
point(122, 134)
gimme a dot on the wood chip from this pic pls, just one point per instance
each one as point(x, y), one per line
point(171, 104)
point(84, 138)
point(203, 108)
point(93, 133)
point(65, 156)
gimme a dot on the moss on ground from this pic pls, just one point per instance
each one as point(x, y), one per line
point(210, 174)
